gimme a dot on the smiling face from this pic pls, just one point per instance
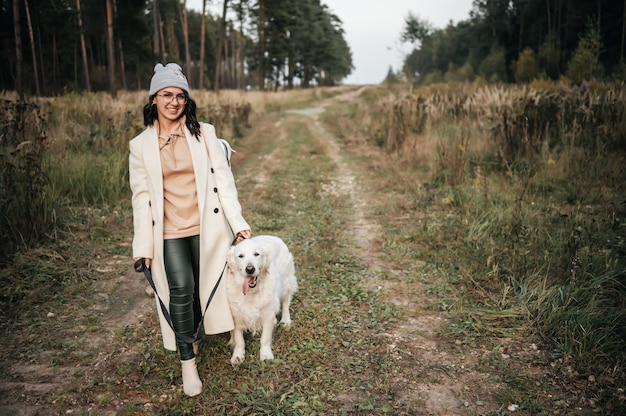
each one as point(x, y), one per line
point(169, 105)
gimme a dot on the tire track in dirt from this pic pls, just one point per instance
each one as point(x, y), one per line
point(443, 383)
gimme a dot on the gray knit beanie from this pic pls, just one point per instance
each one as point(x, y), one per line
point(170, 75)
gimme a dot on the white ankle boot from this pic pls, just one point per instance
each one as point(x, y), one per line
point(192, 385)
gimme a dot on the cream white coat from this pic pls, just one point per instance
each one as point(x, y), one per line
point(220, 217)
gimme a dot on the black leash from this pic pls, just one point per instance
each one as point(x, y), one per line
point(140, 266)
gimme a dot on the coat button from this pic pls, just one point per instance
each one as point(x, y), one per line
point(149, 203)
point(153, 223)
point(216, 210)
point(212, 171)
point(215, 190)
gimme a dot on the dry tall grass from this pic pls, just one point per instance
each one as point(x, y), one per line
point(534, 176)
point(498, 126)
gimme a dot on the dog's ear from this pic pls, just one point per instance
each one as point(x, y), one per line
point(266, 259)
point(230, 257)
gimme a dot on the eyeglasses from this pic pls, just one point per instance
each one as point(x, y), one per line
point(169, 97)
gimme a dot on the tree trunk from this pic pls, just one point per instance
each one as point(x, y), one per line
point(41, 62)
point(220, 47)
point(225, 62)
point(75, 65)
point(621, 50)
point(156, 23)
point(241, 54)
point(202, 46)
point(233, 57)
point(261, 31)
point(520, 44)
point(290, 71)
point(18, 46)
point(173, 53)
point(110, 47)
point(185, 27)
point(122, 65)
point(32, 47)
point(305, 76)
point(549, 18)
point(291, 64)
point(83, 49)
point(121, 48)
point(161, 36)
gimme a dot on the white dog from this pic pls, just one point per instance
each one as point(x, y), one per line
point(260, 282)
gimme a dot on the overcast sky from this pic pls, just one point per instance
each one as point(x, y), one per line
point(372, 29)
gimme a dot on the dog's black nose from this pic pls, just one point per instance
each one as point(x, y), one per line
point(250, 269)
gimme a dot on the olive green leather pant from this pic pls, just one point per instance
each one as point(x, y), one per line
point(182, 264)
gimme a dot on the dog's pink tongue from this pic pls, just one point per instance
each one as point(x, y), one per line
point(246, 285)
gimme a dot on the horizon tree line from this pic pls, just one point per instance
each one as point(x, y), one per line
point(521, 40)
point(50, 47)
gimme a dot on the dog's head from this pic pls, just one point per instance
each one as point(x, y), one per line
point(248, 259)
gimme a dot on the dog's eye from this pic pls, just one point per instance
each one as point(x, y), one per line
point(257, 254)
point(240, 256)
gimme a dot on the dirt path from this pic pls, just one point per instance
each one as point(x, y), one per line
point(445, 382)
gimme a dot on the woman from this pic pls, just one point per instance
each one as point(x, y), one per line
point(185, 212)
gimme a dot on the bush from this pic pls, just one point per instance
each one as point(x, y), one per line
point(493, 68)
point(585, 62)
point(27, 208)
point(550, 58)
point(392, 77)
point(525, 68)
point(464, 73)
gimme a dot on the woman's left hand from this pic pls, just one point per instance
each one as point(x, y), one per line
point(242, 235)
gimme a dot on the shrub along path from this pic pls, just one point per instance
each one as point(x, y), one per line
point(371, 333)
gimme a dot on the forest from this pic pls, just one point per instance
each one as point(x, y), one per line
point(521, 40)
point(53, 46)
point(50, 47)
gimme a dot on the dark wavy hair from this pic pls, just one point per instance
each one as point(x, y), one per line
point(150, 114)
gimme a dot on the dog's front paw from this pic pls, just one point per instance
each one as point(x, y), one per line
point(266, 354)
point(286, 322)
point(237, 358)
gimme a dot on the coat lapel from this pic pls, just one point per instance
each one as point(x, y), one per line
point(153, 168)
point(200, 167)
